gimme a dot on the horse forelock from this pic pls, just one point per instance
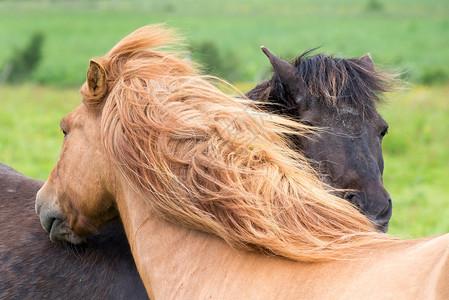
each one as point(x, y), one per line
point(339, 81)
point(334, 82)
point(211, 162)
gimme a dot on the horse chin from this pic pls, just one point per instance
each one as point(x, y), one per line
point(60, 232)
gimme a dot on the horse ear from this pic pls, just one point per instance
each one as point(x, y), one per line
point(367, 58)
point(285, 71)
point(96, 80)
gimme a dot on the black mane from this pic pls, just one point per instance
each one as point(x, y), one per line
point(332, 81)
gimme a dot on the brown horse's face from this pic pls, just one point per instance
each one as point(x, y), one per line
point(348, 152)
point(77, 197)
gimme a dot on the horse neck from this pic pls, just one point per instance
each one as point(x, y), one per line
point(177, 262)
point(171, 258)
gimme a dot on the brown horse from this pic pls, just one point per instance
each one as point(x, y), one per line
point(32, 267)
point(29, 187)
point(339, 95)
point(214, 201)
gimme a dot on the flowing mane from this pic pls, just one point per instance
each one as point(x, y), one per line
point(211, 162)
point(332, 81)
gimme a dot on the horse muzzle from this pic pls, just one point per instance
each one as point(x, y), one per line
point(53, 221)
point(381, 227)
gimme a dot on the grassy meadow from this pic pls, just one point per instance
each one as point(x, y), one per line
point(410, 37)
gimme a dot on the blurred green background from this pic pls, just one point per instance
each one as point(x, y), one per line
point(46, 47)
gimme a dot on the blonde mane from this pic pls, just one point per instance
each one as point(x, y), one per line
point(208, 161)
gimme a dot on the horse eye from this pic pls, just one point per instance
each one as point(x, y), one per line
point(64, 133)
point(384, 132)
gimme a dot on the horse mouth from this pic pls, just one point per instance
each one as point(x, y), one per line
point(53, 222)
point(59, 231)
point(382, 227)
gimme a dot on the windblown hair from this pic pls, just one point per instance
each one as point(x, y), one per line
point(331, 81)
point(211, 162)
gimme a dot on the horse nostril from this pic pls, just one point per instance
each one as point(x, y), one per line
point(352, 198)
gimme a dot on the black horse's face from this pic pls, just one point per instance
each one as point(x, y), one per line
point(347, 152)
point(338, 96)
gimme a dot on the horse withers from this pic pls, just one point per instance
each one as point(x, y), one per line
point(338, 96)
point(32, 267)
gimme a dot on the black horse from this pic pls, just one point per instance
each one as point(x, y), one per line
point(340, 97)
point(32, 267)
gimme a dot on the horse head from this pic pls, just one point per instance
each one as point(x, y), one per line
point(71, 206)
point(339, 97)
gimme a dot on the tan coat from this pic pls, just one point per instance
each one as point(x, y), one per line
point(178, 263)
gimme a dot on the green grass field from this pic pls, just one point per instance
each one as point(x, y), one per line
point(416, 152)
point(408, 36)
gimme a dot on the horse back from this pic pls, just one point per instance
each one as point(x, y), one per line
point(32, 267)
